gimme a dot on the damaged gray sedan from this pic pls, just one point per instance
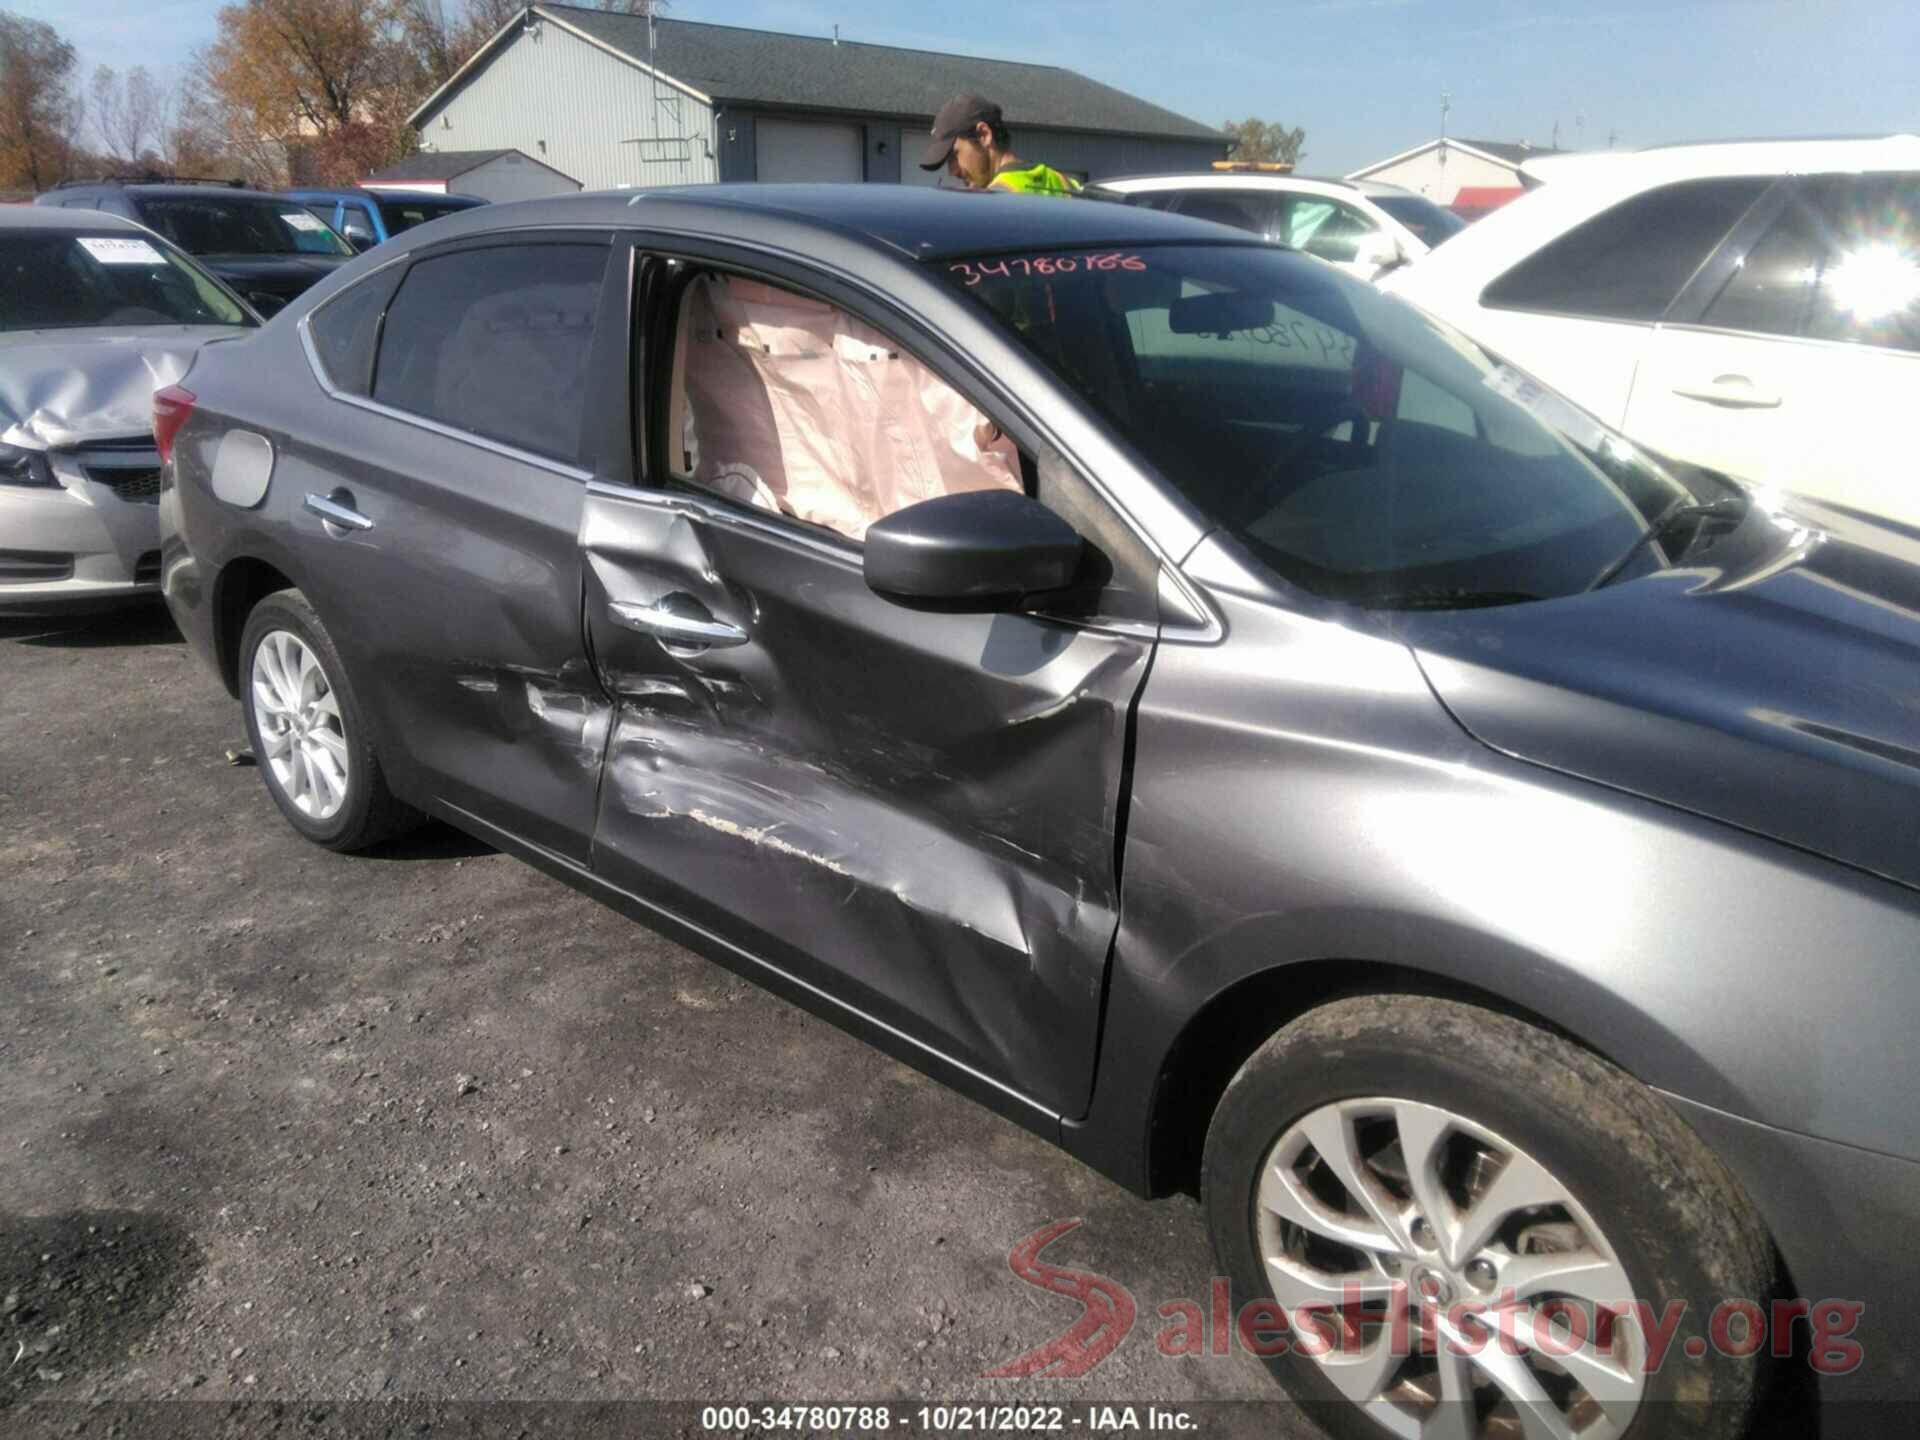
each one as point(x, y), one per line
point(96, 313)
point(1175, 694)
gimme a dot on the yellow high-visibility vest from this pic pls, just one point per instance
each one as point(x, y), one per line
point(1034, 180)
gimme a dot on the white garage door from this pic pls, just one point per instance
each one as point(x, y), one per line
point(808, 150)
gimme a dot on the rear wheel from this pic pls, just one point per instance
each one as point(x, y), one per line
point(1530, 1211)
point(307, 731)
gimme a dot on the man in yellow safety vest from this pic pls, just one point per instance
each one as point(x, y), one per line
point(970, 141)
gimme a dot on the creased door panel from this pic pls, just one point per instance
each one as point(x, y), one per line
point(915, 810)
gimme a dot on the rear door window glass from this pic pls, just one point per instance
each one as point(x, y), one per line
point(1323, 227)
point(1842, 262)
point(1869, 285)
point(496, 342)
point(1628, 263)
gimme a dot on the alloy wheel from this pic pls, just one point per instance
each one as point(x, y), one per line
point(302, 736)
point(1444, 1280)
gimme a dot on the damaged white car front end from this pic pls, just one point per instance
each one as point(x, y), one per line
point(79, 474)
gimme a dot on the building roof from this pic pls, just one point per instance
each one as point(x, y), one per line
point(440, 164)
point(731, 64)
point(1506, 150)
point(1499, 152)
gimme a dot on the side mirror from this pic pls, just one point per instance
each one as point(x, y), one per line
point(265, 303)
point(981, 551)
point(1380, 253)
point(362, 240)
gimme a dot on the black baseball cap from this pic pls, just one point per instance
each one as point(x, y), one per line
point(957, 117)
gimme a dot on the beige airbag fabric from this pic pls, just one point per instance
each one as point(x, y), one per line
point(795, 406)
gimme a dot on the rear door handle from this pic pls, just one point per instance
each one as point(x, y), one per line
point(1733, 392)
point(673, 627)
point(331, 510)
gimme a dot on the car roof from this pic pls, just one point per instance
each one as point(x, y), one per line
point(1704, 159)
point(48, 217)
point(1252, 180)
point(141, 189)
point(356, 192)
point(920, 224)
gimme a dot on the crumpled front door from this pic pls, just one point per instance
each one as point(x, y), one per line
point(913, 811)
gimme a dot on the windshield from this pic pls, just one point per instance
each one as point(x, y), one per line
point(1429, 222)
point(228, 224)
point(403, 215)
point(58, 280)
point(1360, 449)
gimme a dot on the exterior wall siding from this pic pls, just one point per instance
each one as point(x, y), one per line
point(571, 105)
point(511, 178)
point(1424, 174)
point(1108, 157)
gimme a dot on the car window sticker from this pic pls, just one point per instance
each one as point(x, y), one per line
point(115, 250)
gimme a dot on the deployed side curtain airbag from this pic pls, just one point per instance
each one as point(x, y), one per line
point(795, 406)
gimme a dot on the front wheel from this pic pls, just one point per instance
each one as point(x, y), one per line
point(1475, 1228)
point(307, 731)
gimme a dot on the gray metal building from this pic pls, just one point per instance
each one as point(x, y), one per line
point(491, 174)
point(616, 100)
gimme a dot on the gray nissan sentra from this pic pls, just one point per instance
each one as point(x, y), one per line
point(1183, 698)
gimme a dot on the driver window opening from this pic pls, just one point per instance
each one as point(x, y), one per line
point(787, 404)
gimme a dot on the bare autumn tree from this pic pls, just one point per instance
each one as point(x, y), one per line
point(323, 86)
point(39, 112)
point(443, 39)
point(131, 114)
point(1263, 141)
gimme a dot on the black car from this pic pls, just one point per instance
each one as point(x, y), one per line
point(1174, 692)
point(267, 247)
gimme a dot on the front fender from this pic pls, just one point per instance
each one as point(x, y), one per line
point(1294, 836)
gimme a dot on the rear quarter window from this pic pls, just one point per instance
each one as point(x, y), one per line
point(346, 329)
point(1630, 261)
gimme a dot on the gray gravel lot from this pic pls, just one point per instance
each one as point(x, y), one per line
point(276, 1123)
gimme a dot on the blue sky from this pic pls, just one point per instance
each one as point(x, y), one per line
point(1363, 76)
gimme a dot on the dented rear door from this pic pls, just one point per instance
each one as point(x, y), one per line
point(915, 811)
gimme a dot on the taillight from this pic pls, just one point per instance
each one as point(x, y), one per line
point(171, 407)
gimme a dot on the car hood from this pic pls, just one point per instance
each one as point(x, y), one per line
point(282, 275)
point(1773, 685)
point(60, 388)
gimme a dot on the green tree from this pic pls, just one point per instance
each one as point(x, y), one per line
point(1263, 141)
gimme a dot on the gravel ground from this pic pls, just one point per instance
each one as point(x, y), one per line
point(281, 1125)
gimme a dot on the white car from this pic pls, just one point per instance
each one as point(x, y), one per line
point(1364, 227)
point(1753, 307)
point(96, 313)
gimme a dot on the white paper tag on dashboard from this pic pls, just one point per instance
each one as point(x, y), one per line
point(115, 250)
point(300, 220)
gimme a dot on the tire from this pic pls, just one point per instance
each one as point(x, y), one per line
point(1604, 1173)
point(323, 772)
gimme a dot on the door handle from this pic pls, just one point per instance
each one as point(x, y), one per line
point(674, 628)
point(335, 513)
point(1734, 392)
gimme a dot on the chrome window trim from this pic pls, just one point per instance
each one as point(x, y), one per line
point(419, 422)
